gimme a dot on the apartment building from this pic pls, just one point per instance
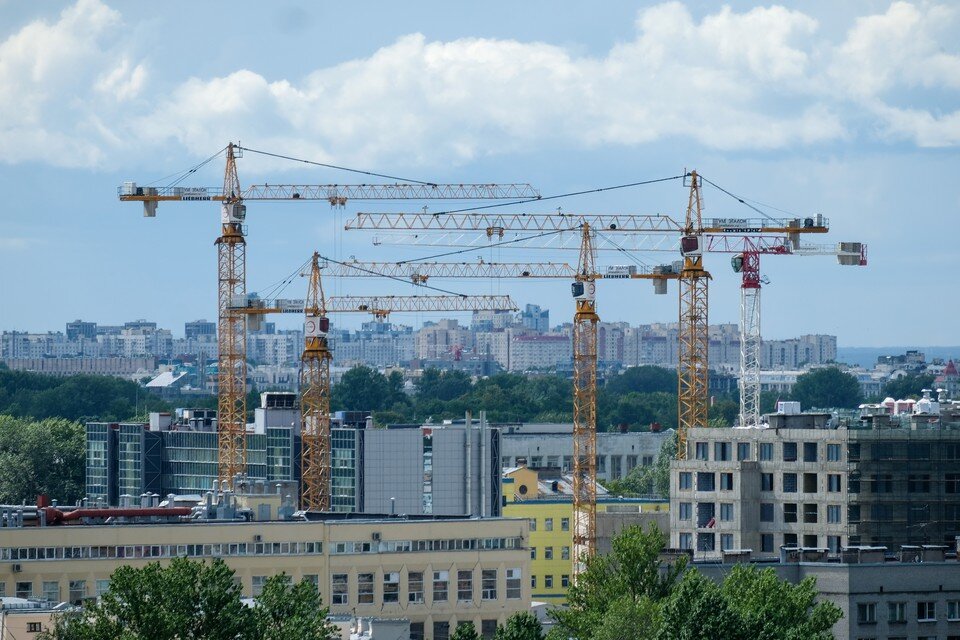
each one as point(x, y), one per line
point(805, 481)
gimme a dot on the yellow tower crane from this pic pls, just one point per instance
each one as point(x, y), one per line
point(585, 322)
point(231, 268)
point(315, 387)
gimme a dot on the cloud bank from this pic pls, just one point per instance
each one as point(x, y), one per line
point(73, 94)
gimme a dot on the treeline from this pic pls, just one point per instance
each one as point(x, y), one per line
point(634, 400)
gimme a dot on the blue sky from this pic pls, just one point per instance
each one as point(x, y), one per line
point(846, 109)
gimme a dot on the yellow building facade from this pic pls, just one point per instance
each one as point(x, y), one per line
point(434, 572)
point(548, 508)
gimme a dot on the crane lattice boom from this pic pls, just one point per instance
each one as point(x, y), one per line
point(496, 223)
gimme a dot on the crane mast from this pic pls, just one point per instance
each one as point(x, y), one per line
point(315, 464)
point(694, 338)
point(231, 330)
point(749, 382)
point(585, 322)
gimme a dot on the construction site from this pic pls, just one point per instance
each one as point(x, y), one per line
point(296, 503)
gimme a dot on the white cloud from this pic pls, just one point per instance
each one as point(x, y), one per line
point(760, 79)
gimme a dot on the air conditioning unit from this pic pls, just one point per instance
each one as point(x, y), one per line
point(258, 538)
point(17, 568)
point(376, 536)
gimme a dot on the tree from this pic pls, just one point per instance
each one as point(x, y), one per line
point(908, 386)
point(465, 631)
point(632, 570)
point(522, 625)
point(698, 610)
point(645, 379)
point(195, 600)
point(628, 620)
point(45, 456)
point(443, 385)
point(361, 389)
point(288, 611)
point(827, 388)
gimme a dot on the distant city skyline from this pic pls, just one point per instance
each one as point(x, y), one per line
point(849, 110)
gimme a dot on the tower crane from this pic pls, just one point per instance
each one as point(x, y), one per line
point(231, 267)
point(315, 361)
point(746, 262)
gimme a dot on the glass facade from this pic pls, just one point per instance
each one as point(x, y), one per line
point(343, 476)
point(99, 476)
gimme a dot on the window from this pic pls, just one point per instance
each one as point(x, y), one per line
point(365, 588)
point(78, 591)
point(918, 483)
point(726, 541)
point(790, 512)
point(24, 590)
point(809, 451)
point(533, 524)
point(256, 585)
point(514, 576)
point(867, 613)
point(686, 509)
point(721, 451)
point(896, 612)
point(415, 586)
point(631, 463)
point(686, 540)
point(951, 483)
point(533, 582)
point(926, 611)
point(883, 483)
point(102, 587)
point(789, 451)
point(50, 591)
point(953, 609)
point(833, 482)
point(833, 453)
point(441, 630)
point(341, 594)
point(853, 452)
point(706, 542)
point(833, 514)
point(853, 513)
point(441, 582)
point(564, 581)
point(726, 482)
point(726, 511)
point(766, 451)
point(489, 584)
point(487, 629)
point(564, 552)
point(766, 512)
point(553, 462)
point(536, 462)
point(416, 631)
point(702, 450)
point(567, 463)
point(34, 627)
point(686, 481)
point(616, 467)
point(766, 482)
point(548, 582)
point(743, 451)
point(810, 513)
point(810, 483)
point(464, 586)
point(789, 483)
point(548, 553)
point(766, 542)
point(705, 481)
point(705, 514)
point(533, 553)
point(548, 524)
point(564, 524)
point(833, 543)
point(391, 587)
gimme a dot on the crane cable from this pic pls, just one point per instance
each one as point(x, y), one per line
point(495, 244)
point(397, 278)
point(337, 167)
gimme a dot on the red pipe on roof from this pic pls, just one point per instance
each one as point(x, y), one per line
point(56, 516)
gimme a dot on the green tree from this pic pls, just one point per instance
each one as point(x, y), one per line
point(194, 600)
point(909, 386)
point(645, 379)
point(41, 456)
point(827, 388)
point(632, 570)
point(287, 611)
point(465, 631)
point(443, 385)
point(698, 610)
point(627, 619)
point(522, 625)
point(361, 389)
point(648, 479)
point(774, 609)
